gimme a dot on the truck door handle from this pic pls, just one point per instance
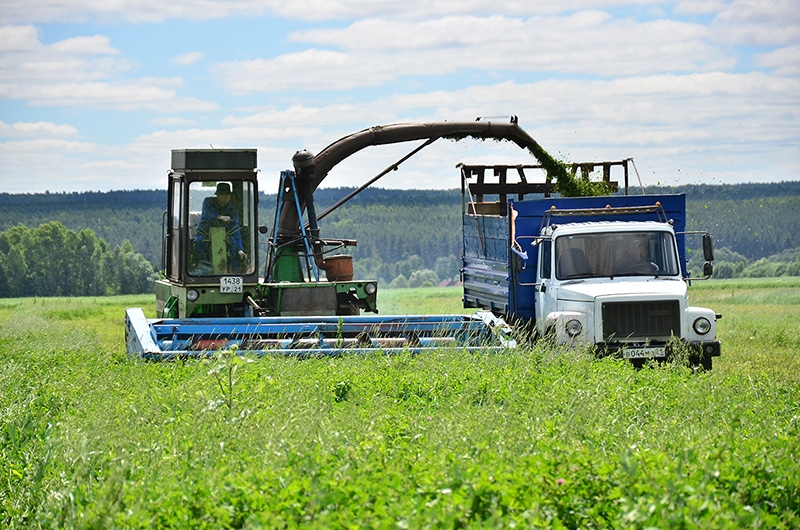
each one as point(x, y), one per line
point(543, 289)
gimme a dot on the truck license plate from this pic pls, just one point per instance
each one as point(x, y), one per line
point(643, 353)
point(230, 284)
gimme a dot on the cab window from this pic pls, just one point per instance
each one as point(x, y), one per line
point(220, 225)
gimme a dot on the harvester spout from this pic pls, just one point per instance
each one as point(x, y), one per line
point(341, 149)
point(303, 162)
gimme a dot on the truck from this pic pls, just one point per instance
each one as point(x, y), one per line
point(609, 272)
point(214, 296)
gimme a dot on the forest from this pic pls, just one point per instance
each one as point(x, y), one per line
point(51, 260)
point(405, 237)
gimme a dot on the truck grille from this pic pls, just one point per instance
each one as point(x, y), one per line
point(641, 320)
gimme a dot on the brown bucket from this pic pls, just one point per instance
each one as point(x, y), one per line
point(339, 268)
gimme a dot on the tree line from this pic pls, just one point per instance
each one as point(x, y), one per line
point(51, 260)
point(413, 237)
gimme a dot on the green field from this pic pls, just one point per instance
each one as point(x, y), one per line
point(537, 437)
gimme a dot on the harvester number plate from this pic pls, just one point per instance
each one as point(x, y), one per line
point(230, 284)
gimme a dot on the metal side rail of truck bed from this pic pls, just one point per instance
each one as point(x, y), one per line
point(165, 339)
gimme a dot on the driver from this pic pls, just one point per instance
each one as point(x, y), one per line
point(634, 258)
point(218, 211)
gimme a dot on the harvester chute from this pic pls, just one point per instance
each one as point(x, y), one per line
point(314, 169)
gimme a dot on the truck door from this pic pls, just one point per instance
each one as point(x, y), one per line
point(546, 293)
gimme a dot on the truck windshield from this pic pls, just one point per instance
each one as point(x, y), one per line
point(616, 254)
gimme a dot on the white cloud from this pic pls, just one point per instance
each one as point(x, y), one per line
point(19, 38)
point(323, 116)
point(187, 58)
point(81, 11)
point(42, 159)
point(94, 45)
point(82, 72)
point(152, 11)
point(784, 61)
point(757, 22)
point(376, 51)
point(129, 96)
point(27, 60)
point(699, 7)
point(172, 121)
point(306, 70)
point(218, 137)
point(37, 129)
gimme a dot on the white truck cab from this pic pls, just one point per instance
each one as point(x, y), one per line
point(618, 285)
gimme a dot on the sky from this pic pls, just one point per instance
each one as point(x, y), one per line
point(94, 94)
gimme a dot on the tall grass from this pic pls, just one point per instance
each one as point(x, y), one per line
point(538, 437)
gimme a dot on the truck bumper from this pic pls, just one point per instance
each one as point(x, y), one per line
point(700, 353)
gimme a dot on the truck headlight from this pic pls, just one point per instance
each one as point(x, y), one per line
point(192, 295)
point(573, 327)
point(370, 288)
point(701, 326)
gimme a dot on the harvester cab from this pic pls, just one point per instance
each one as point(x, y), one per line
point(209, 250)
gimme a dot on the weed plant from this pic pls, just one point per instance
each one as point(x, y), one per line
point(538, 437)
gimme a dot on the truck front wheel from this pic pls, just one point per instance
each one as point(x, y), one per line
point(705, 362)
point(700, 359)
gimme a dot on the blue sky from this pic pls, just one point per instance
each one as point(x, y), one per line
point(94, 95)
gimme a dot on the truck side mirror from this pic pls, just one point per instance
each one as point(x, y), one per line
point(708, 269)
point(708, 248)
